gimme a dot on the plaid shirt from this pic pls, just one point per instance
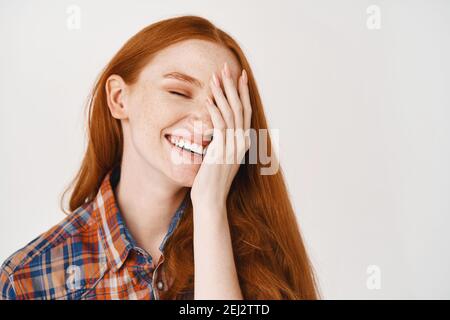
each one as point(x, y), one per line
point(89, 255)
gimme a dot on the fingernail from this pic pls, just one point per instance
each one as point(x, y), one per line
point(226, 70)
point(216, 80)
point(244, 76)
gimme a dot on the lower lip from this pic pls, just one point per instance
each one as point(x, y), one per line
point(185, 153)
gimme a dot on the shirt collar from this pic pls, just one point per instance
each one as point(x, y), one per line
point(114, 234)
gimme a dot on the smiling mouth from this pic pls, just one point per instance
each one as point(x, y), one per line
point(186, 145)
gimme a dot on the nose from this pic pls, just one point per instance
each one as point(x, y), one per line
point(200, 111)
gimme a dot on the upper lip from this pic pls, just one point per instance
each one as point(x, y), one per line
point(193, 138)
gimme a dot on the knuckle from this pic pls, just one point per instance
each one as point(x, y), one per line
point(229, 118)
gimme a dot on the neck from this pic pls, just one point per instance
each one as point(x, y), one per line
point(147, 201)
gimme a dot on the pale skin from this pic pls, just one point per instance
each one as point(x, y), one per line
point(151, 187)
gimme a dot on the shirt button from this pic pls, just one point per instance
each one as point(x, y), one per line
point(160, 285)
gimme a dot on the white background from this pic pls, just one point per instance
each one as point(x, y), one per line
point(363, 117)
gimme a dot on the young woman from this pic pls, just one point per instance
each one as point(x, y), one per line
point(158, 210)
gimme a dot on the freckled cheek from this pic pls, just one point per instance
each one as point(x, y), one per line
point(148, 121)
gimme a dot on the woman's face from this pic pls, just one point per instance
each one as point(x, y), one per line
point(163, 103)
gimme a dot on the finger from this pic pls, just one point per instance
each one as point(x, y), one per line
point(241, 144)
point(230, 150)
point(218, 124)
point(246, 104)
point(232, 96)
point(245, 98)
point(222, 102)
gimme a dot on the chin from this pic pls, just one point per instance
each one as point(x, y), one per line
point(184, 174)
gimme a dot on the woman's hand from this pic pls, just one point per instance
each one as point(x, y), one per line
point(231, 119)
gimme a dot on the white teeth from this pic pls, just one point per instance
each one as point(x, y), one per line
point(187, 145)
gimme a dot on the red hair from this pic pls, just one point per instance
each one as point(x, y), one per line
point(270, 256)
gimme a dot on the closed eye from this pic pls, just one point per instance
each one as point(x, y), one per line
point(178, 94)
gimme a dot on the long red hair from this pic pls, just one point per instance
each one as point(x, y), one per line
point(270, 256)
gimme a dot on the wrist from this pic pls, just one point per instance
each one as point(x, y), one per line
point(209, 203)
point(209, 209)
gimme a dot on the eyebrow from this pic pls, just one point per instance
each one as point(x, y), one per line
point(183, 77)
